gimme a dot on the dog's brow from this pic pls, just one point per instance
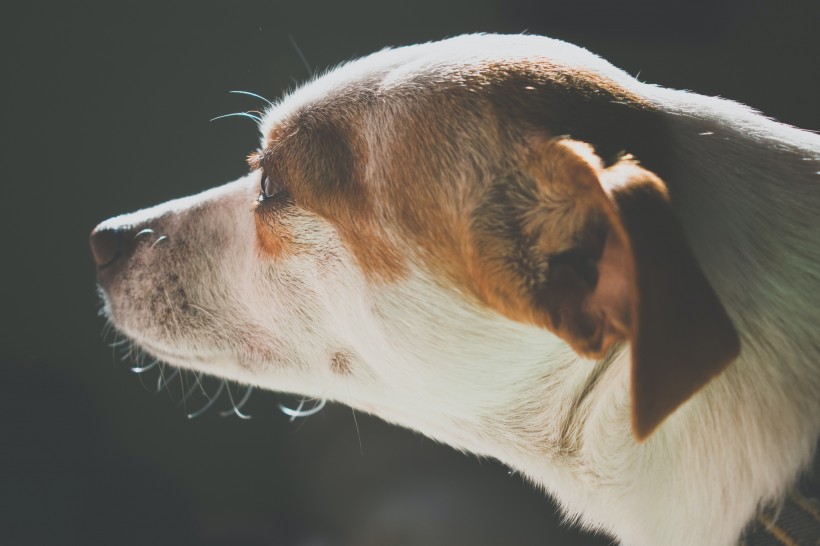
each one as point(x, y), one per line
point(254, 160)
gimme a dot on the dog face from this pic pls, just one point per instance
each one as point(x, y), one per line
point(449, 236)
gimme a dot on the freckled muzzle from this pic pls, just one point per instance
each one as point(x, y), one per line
point(171, 276)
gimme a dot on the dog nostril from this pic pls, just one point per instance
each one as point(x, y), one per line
point(106, 245)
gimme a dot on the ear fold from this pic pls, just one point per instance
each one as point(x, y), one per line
point(597, 257)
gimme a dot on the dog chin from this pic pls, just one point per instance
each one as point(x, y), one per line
point(173, 354)
point(180, 358)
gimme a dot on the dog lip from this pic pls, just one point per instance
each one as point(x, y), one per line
point(164, 354)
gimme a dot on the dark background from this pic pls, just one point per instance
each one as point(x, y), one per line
point(106, 110)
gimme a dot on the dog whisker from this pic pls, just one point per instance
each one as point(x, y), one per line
point(254, 95)
point(198, 379)
point(301, 56)
point(142, 378)
point(210, 402)
point(196, 385)
point(143, 369)
point(358, 432)
point(292, 413)
point(141, 363)
point(163, 382)
point(299, 412)
point(238, 114)
point(182, 390)
point(117, 342)
point(126, 355)
point(238, 406)
point(106, 329)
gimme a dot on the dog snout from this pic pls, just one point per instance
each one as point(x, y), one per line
point(113, 245)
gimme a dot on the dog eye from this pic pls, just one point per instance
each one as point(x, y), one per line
point(271, 187)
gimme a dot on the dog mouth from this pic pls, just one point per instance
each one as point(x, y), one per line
point(178, 358)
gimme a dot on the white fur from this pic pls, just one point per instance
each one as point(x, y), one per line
point(428, 358)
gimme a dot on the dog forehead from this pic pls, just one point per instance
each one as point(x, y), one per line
point(401, 72)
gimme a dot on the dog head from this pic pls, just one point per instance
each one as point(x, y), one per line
point(447, 235)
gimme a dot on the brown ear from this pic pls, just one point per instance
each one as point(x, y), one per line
point(596, 256)
point(681, 336)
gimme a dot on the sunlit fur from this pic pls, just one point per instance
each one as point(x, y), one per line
point(423, 352)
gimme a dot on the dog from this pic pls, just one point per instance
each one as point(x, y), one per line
point(517, 249)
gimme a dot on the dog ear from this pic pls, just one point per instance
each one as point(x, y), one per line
point(681, 336)
point(596, 256)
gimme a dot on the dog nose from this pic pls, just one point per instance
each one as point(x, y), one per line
point(113, 243)
point(106, 245)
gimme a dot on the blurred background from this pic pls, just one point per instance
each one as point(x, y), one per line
point(106, 109)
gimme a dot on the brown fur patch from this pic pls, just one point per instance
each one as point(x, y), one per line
point(446, 151)
point(540, 237)
point(276, 224)
point(321, 159)
point(400, 173)
point(340, 363)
